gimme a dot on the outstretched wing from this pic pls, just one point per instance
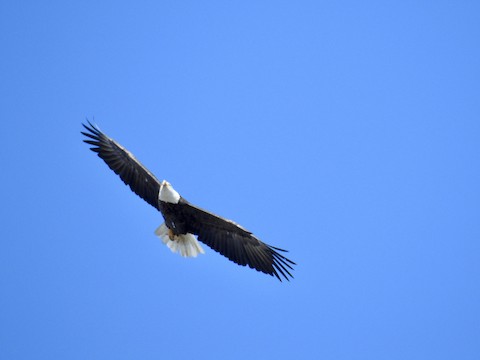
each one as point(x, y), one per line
point(123, 163)
point(234, 242)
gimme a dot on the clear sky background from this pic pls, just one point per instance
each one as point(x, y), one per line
point(346, 132)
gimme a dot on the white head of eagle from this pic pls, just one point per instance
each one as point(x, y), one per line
point(186, 224)
point(167, 193)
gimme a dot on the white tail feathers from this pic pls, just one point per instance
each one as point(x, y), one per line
point(187, 245)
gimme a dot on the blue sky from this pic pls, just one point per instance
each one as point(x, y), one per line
point(345, 132)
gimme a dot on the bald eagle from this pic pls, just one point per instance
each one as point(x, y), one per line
point(184, 221)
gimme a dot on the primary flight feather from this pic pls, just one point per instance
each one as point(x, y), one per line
point(184, 221)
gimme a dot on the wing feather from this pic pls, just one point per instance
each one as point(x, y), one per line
point(124, 164)
point(234, 242)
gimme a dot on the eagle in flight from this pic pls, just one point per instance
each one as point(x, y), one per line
point(184, 221)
